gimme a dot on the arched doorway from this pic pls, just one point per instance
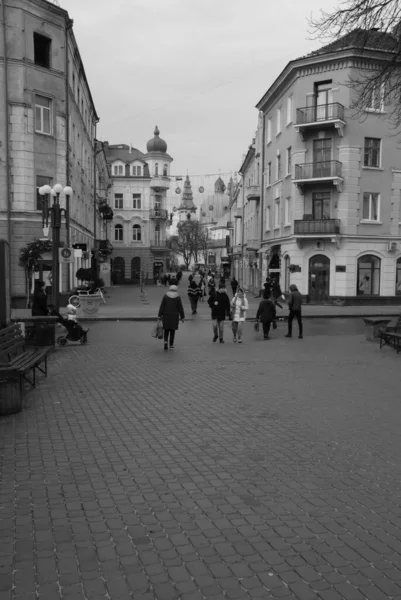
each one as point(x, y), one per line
point(136, 269)
point(368, 283)
point(118, 270)
point(319, 279)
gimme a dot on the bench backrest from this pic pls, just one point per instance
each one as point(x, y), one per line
point(12, 343)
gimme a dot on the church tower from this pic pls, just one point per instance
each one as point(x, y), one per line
point(187, 208)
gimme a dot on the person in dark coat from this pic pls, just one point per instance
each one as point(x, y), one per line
point(234, 285)
point(219, 303)
point(193, 295)
point(295, 306)
point(266, 313)
point(276, 292)
point(39, 305)
point(267, 288)
point(222, 282)
point(179, 276)
point(170, 312)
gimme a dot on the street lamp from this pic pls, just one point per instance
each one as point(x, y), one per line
point(56, 213)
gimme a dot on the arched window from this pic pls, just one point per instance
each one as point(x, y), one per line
point(136, 233)
point(118, 233)
point(398, 278)
point(139, 171)
point(156, 169)
point(368, 283)
point(165, 170)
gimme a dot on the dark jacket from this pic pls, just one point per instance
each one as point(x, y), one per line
point(295, 299)
point(39, 305)
point(194, 291)
point(219, 302)
point(266, 311)
point(234, 285)
point(171, 310)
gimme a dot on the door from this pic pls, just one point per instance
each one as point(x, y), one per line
point(320, 205)
point(319, 279)
point(324, 101)
point(118, 270)
point(321, 157)
point(135, 269)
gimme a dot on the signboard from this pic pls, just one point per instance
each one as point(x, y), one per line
point(65, 255)
point(274, 270)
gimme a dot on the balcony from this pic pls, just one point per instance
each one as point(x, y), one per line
point(253, 244)
point(158, 213)
point(160, 245)
point(160, 183)
point(322, 116)
point(317, 227)
point(319, 172)
point(252, 192)
point(221, 243)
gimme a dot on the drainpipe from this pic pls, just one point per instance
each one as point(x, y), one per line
point(242, 231)
point(68, 26)
point(7, 146)
point(262, 200)
point(94, 185)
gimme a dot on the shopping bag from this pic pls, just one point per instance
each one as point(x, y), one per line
point(157, 331)
point(256, 326)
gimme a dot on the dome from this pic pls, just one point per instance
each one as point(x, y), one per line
point(156, 144)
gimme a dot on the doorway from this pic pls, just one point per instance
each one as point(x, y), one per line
point(136, 269)
point(118, 270)
point(321, 157)
point(319, 279)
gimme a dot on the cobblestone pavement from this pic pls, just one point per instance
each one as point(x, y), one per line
point(267, 470)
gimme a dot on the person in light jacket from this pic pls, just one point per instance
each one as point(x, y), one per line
point(266, 313)
point(239, 306)
point(170, 312)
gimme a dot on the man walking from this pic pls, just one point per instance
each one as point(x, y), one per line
point(295, 306)
point(220, 306)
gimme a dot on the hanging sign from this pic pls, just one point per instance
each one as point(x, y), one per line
point(65, 255)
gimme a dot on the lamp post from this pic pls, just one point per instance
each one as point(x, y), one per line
point(56, 212)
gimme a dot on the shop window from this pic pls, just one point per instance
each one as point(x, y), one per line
point(368, 283)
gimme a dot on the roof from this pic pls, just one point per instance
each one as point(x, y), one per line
point(122, 152)
point(362, 39)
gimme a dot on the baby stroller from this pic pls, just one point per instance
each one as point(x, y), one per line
point(75, 333)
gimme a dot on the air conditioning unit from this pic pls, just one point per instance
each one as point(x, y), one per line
point(392, 246)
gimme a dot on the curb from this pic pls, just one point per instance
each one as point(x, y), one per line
point(251, 319)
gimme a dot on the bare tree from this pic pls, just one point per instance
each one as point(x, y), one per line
point(182, 244)
point(191, 241)
point(371, 25)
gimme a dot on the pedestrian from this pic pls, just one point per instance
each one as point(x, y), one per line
point(220, 307)
point(222, 282)
point(190, 278)
point(211, 283)
point(39, 305)
point(168, 277)
point(295, 306)
point(164, 280)
point(234, 285)
point(202, 287)
point(170, 312)
point(193, 295)
point(266, 313)
point(179, 276)
point(239, 306)
point(267, 288)
point(276, 292)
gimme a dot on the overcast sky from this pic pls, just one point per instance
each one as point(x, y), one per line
point(196, 68)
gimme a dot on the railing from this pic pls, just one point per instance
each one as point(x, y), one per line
point(319, 113)
point(163, 244)
point(252, 192)
point(317, 226)
point(317, 170)
point(158, 213)
point(221, 243)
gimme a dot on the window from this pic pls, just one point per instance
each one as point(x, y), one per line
point(42, 115)
point(156, 169)
point(73, 83)
point(320, 205)
point(278, 130)
point(136, 233)
point(289, 160)
point(371, 207)
point(269, 131)
point(267, 218)
point(136, 201)
point(371, 156)
point(118, 201)
point(139, 171)
point(117, 170)
point(287, 211)
point(40, 180)
point(41, 49)
point(269, 173)
point(368, 283)
point(165, 170)
point(278, 167)
point(134, 171)
point(118, 233)
point(398, 278)
point(376, 99)
point(277, 213)
point(289, 110)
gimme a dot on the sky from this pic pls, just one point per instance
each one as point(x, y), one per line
point(195, 68)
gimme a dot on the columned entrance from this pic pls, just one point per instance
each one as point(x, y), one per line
point(319, 279)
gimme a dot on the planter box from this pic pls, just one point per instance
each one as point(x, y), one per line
point(10, 397)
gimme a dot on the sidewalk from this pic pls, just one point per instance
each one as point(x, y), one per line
point(127, 303)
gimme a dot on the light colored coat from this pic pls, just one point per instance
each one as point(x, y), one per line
point(239, 307)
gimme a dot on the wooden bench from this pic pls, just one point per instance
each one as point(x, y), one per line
point(16, 361)
point(391, 336)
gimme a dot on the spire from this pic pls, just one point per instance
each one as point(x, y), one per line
point(187, 202)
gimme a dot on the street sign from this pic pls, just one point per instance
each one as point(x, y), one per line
point(65, 255)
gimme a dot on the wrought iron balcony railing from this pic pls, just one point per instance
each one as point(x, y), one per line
point(329, 169)
point(158, 213)
point(320, 113)
point(317, 226)
point(161, 244)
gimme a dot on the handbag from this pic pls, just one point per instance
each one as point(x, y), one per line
point(157, 331)
point(256, 325)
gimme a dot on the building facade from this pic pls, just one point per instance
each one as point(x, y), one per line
point(48, 125)
point(138, 198)
point(329, 195)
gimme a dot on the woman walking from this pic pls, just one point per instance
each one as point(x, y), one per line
point(266, 313)
point(193, 295)
point(171, 311)
point(239, 306)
